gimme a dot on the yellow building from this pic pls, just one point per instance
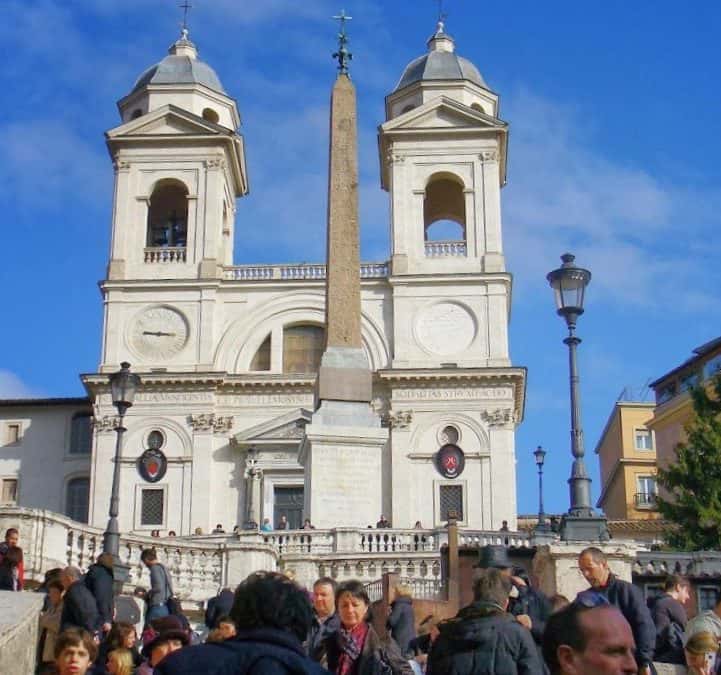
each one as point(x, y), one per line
point(674, 406)
point(627, 455)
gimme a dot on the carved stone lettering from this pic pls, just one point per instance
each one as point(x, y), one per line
point(267, 400)
point(450, 394)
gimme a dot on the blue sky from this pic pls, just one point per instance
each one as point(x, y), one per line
point(615, 114)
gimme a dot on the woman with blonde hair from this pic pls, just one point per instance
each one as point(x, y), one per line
point(401, 622)
point(120, 662)
point(702, 654)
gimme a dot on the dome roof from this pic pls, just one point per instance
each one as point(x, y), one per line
point(440, 63)
point(181, 66)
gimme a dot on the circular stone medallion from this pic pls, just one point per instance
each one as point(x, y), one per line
point(445, 328)
point(159, 332)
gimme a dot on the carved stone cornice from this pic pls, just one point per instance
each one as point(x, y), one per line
point(121, 165)
point(498, 417)
point(400, 419)
point(106, 423)
point(211, 422)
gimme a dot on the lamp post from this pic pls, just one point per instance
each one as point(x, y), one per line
point(581, 522)
point(123, 386)
point(540, 455)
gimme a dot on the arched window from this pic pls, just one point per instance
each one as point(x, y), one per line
point(77, 497)
point(444, 210)
point(302, 348)
point(261, 360)
point(478, 107)
point(81, 434)
point(168, 214)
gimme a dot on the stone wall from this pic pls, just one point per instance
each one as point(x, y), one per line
point(19, 631)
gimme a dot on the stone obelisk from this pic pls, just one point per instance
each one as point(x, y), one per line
point(343, 448)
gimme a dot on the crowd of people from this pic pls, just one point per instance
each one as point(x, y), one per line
point(269, 624)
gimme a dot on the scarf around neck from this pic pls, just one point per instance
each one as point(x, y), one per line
point(351, 644)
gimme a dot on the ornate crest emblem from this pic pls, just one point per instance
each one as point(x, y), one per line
point(450, 461)
point(152, 465)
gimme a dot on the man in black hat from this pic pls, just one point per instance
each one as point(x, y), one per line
point(530, 607)
point(169, 636)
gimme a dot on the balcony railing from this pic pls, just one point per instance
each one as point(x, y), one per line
point(645, 500)
point(165, 254)
point(300, 272)
point(439, 249)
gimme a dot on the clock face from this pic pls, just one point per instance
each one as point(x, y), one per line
point(159, 332)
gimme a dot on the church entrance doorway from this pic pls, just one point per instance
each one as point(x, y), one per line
point(288, 502)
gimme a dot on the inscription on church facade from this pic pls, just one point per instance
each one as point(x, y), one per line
point(450, 394)
point(267, 399)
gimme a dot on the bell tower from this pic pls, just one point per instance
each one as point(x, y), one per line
point(443, 160)
point(179, 167)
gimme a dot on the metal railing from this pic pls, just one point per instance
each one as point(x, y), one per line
point(645, 500)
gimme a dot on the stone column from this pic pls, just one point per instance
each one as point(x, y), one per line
point(253, 474)
point(344, 374)
point(342, 452)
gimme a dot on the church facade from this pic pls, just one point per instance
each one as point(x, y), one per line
point(228, 354)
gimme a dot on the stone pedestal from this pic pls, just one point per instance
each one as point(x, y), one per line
point(343, 473)
point(556, 566)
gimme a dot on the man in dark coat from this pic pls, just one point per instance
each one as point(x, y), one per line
point(325, 620)
point(99, 580)
point(273, 616)
point(625, 596)
point(484, 639)
point(530, 607)
point(401, 622)
point(670, 618)
point(218, 606)
point(79, 607)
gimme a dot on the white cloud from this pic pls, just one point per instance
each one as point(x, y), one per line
point(11, 386)
point(48, 166)
point(638, 234)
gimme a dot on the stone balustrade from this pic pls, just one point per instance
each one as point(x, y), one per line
point(300, 272)
point(695, 564)
point(438, 249)
point(165, 254)
point(201, 564)
point(478, 538)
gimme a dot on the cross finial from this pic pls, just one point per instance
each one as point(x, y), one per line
point(185, 6)
point(441, 14)
point(343, 55)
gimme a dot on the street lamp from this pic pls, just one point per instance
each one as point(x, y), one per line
point(581, 522)
point(123, 386)
point(540, 454)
